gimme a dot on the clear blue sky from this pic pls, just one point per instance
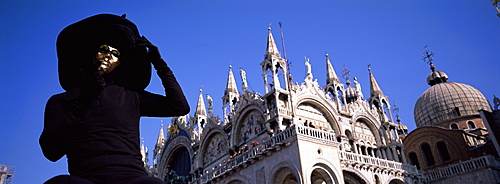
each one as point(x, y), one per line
point(199, 39)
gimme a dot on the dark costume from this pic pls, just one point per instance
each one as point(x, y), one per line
point(95, 123)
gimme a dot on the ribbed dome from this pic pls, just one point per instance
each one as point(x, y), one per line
point(350, 94)
point(446, 100)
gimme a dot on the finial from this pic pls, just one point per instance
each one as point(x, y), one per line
point(428, 57)
point(369, 69)
point(269, 28)
point(395, 110)
point(326, 54)
point(346, 74)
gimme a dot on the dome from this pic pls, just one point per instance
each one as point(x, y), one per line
point(436, 77)
point(447, 100)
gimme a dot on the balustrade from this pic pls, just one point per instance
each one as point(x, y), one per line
point(458, 168)
point(376, 162)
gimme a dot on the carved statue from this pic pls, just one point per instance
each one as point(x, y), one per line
point(358, 88)
point(243, 75)
point(210, 102)
point(176, 179)
point(309, 74)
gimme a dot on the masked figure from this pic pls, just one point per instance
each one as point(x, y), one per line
point(104, 67)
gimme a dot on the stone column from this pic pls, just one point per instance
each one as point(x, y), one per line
point(395, 153)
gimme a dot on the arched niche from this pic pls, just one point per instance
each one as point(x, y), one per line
point(322, 174)
point(314, 112)
point(285, 175)
point(396, 181)
point(176, 151)
point(215, 147)
point(367, 128)
point(179, 161)
point(353, 178)
point(249, 126)
point(364, 131)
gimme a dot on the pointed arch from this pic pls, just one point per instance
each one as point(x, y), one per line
point(178, 151)
point(249, 124)
point(370, 123)
point(213, 145)
point(321, 106)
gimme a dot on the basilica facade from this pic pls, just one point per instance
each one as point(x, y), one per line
point(291, 133)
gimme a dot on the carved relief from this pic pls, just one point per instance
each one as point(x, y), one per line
point(252, 124)
point(216, 147)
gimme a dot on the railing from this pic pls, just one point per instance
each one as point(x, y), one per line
point(469, 165)
point(321, 135)
point(283, 111)
point(247, 156)
point(376, 162)
point(474, 140)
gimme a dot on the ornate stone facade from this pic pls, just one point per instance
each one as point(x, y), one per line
point(293, 133)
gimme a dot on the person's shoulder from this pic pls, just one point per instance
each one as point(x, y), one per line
point(67, 95)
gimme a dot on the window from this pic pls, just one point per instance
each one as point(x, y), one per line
point(443, 151)
point(471, 125)
point(414, 159)
point(426, 151)
point(454, 126)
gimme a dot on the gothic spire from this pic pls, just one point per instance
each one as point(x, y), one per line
point(331, 76)
point(161, 138)
point(230, 97)
point(231, 83)
point(272, 49)
point(374, 88)
point(200, 107)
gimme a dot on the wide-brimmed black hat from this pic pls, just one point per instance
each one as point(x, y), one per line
point(78, 43)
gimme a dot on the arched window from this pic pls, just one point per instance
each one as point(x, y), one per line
point(454, 126)
point(414, 159)
point(377, 179)
point(426, 151)
point(471, 124)
point(443, 151)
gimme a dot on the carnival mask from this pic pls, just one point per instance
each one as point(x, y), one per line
point(107, 56)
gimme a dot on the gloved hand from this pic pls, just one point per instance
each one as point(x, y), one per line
point(153, 54)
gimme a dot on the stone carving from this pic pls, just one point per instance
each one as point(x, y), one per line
point(216, 148)
point(252, 124)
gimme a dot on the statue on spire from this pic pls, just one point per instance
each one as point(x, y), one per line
point(210, 105)
point(243, 75)
point(358, 88)
point(309, 74)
